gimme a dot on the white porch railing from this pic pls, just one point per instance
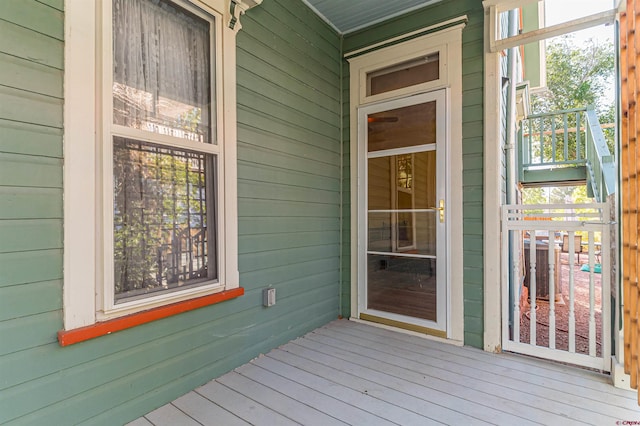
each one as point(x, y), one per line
point(573, 326)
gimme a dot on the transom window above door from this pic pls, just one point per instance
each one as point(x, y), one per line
point(410, 73)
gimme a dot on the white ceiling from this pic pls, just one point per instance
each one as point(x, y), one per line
point(346, 16)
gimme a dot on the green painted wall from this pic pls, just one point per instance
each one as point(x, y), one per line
point(472, 138)
point(289, 189)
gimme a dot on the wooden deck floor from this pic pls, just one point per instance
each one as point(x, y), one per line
point(351, 373)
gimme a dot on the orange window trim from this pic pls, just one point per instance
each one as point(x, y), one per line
point(70, 337)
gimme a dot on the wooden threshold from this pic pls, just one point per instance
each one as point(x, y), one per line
point(404, 325)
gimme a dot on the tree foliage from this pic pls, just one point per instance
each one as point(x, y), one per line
point(577, 76)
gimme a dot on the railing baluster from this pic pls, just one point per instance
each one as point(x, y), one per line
point(553, 139)
point(592, 299)
point(572, 312)
point(530, 145)
point(552, 289)
point(517, 287)
point(578, 130)
point(566, 137)
point(541, 138)
point(532, 287)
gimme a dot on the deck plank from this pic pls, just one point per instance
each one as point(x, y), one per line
point(332, 406)
point(295, 410)
point(465, 403)
point(140, 422)
point(510, 391)
point(517, 379)
point(243, 407)
point(279, 360)
point(169, 415)
point(207, 412)
point(353, 373)
point(576, 381)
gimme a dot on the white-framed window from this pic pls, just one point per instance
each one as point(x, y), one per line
point(404, 72)
point(150, 155)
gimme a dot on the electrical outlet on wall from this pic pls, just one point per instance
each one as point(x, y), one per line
point(269, 296)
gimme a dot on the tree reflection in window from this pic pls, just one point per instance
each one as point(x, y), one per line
point(162, 225)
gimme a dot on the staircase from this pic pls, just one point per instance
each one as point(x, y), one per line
point(566, 148)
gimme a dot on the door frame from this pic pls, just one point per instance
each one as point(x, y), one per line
point(493, 167)
point(443, 230)
point(448, 43)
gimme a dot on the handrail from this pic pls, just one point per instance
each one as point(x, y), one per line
point(600, 162)
point(566, 111)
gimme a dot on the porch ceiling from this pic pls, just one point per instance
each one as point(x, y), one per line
point(353, 15)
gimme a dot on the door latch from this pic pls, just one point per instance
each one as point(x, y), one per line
point(440, 210)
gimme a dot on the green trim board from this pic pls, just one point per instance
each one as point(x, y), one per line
point(554, 177)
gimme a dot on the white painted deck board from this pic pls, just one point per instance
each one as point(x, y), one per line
point(353, 373)
point(338, 409)
point(461, 382)
point(140, 422)
point(241, 405)
point(502, 386)
point(441, 393)
point(427, 409)
point(169, 415)
point(574, 401)
point(271, 397)
point(357, 392)
point(206, 412)
point(589, 386)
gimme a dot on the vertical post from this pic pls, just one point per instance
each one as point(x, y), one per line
point(517, 286)
point(626, 167)
point(630, 203)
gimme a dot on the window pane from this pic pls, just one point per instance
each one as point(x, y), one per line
point(421, 70)
point(161, 69)
point(403, 184)
point(163, 220)
point(402, 127)
point(402, 286)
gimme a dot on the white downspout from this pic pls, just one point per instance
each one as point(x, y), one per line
point(510, 152)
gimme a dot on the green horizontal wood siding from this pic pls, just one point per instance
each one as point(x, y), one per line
point(289, 206)
point(472, 137)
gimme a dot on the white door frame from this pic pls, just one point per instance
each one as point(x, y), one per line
point(448, 42)
point(442, 192)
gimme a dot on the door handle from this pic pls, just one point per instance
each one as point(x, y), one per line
point(440, 209)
